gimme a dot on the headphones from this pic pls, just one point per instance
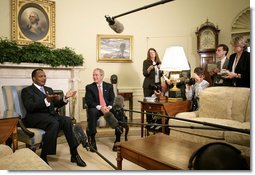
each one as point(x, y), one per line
point(217, 156)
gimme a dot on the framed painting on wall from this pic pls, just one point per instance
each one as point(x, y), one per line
point(33, 21)
point(114, 48)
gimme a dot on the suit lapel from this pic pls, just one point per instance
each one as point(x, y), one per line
point(225, 65)
point(37, 91)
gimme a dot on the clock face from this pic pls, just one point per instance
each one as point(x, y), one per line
point(207, 39)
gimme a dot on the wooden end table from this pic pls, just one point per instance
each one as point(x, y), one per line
point(165, 108)
point(128, 96)
point(8, 127)
point(157, 152)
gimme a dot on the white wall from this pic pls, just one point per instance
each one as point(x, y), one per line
point(79, 21)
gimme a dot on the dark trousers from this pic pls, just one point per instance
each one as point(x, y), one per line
point(52, 125)
point(92, 116)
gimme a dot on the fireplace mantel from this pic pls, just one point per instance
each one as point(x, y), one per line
point(61, 78)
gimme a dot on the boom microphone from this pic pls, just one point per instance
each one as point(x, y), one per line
point(118, 27)
point(81, 137)
point(112, 121)
point(114, 24)
point(118, 103)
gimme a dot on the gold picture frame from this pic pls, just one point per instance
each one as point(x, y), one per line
point(33, 21)
point(114, 48)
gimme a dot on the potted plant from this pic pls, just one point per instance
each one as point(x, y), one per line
point(38, 53)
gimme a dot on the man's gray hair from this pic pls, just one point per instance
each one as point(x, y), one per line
point(100, 70)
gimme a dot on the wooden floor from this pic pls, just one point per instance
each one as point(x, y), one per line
point(61, 161)
point(105, 139)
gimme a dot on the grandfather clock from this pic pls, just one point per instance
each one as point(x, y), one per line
point(207, 41)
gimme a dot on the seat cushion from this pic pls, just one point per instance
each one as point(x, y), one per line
point(215, 105)
point(23, 159)
point(37, 139)
point(237, 137)
point(215, 134)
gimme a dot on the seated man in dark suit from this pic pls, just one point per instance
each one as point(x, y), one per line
point(40, 102)
point(99, 98)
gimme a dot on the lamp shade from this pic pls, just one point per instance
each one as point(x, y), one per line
point(174, 59)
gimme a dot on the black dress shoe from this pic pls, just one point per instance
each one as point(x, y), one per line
point(78, 160)
point(93, 147)
point(114, 148)
point(44, 158)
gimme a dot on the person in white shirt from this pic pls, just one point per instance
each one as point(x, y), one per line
point(193, 90)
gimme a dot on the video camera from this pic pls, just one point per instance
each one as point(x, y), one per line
point(190, 81)
point(155, 87)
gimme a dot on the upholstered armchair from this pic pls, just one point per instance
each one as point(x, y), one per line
point(32, 137)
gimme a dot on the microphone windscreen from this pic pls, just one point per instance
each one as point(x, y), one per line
point(111, 120)
point(118, 102)
point(80, 135)
point(117, 26)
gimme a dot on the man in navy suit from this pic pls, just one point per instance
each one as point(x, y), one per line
point(96, 106)
point(40, 103)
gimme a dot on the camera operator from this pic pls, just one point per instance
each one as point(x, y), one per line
point(194, 86)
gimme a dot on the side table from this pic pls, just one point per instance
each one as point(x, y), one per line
point(165, 108)
point(8, 127)
point(128, 96)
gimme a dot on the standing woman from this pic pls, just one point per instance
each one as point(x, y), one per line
point(239, 63)
point(151, 73)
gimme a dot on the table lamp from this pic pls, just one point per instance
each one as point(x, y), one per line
point(174, 61)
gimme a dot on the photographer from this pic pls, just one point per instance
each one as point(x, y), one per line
point(152, 75)
point(194, 86)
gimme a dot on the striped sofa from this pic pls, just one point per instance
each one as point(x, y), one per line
point(32, 137)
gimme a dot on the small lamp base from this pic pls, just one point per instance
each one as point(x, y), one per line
point(175, 94)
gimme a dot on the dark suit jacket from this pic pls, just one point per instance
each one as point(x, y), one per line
point(92, 98)
point(216, 78)
point(46, 118)
point(149, 77)
point(33, 100)
point(242, 67)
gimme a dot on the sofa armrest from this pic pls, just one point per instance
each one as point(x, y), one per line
point(187, 115)
point(25, 130)
point(5, 150)
point(23, 159)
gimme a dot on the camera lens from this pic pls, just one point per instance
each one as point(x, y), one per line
point(191, 81)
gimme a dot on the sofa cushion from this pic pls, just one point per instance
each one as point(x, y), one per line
point(37, 139)
point(248, 111)
point(215, 105)
point(5, 150)
point(240, 101)
point(238, 137)
point(213, 134)
point(23, 159)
